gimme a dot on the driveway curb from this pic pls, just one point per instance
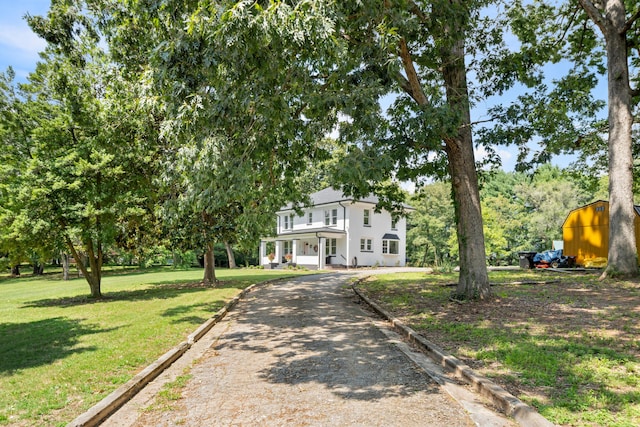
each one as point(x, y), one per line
point(525, 415)
point(110, 404)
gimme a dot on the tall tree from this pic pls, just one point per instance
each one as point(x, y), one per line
point(90, 163)
point(417, 52)
point(241, 131)
point(615, 23)
point(567, 33)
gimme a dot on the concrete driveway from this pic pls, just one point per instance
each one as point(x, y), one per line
point(301, 352)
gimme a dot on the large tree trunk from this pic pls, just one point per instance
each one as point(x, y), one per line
point(94, 276)
point(15, 270)
point(38, 268)
point(622, 243)
point(209, 267)
point(230, 255)
point(473, 281)
point(622, 259)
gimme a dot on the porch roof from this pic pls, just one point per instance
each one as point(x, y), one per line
point(311, 233)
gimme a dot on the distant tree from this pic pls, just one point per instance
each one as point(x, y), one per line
point(547, 200)
point(431, 225)
point(16, 122)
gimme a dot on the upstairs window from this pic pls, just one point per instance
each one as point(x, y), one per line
point(331, 217)
point(309, 218)
point(366, 220)
point(288, 222)
point(394, 224)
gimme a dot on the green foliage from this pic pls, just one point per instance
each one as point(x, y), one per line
point(431, 226)
point(234, 84)
point(81, 166)
point(520, 213)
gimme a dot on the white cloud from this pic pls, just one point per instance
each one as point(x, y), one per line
point(506, 156)
point(22, 39)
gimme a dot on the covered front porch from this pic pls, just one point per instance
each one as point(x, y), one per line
point(308, 249)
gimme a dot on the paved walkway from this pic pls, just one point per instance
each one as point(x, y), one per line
point(298, 353)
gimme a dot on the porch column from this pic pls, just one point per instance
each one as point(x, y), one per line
point(348, 244)
point(278, 258)
point(294, 251)
point(263, 251)
point(321, 255)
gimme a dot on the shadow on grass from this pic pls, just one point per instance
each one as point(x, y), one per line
point(569, 346)
point(184, 310)
point(160, 290)
point(42, 342)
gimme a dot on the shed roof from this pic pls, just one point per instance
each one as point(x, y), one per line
point(635, 207)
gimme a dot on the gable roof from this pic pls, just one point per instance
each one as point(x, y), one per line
point(636, 208)
point(330, 195)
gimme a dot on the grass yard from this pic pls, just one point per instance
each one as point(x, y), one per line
point(61, 352)
point(569, 347)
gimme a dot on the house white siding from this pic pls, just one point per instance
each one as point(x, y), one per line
point(337, 231)
point(380, 224)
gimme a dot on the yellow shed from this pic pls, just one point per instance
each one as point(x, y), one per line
point(585, 232)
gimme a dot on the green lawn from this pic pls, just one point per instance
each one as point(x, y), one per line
point(61, 352)
point(566, 344)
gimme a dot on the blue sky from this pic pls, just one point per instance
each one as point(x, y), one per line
point(19, 46)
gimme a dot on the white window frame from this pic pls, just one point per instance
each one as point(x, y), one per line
point(387, 248)
point(331, 247)
point(288, 222)
point(394, 224)
point(366, 245)
point(366, 218)
point(331, 217)
point(309, 218)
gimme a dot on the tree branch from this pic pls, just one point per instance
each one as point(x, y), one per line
point(630, 22)
point(415, 9)
point(477, 122)
point(567, 27)
point(404, 83)
point(414, 81)
point(595, 14)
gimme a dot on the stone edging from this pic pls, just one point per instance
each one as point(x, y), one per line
point(525, 415)
point(110, 404)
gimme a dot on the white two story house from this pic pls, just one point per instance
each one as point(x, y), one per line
point(336, 231)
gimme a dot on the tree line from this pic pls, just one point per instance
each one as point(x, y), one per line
point(194, 120)
point(520, 212)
